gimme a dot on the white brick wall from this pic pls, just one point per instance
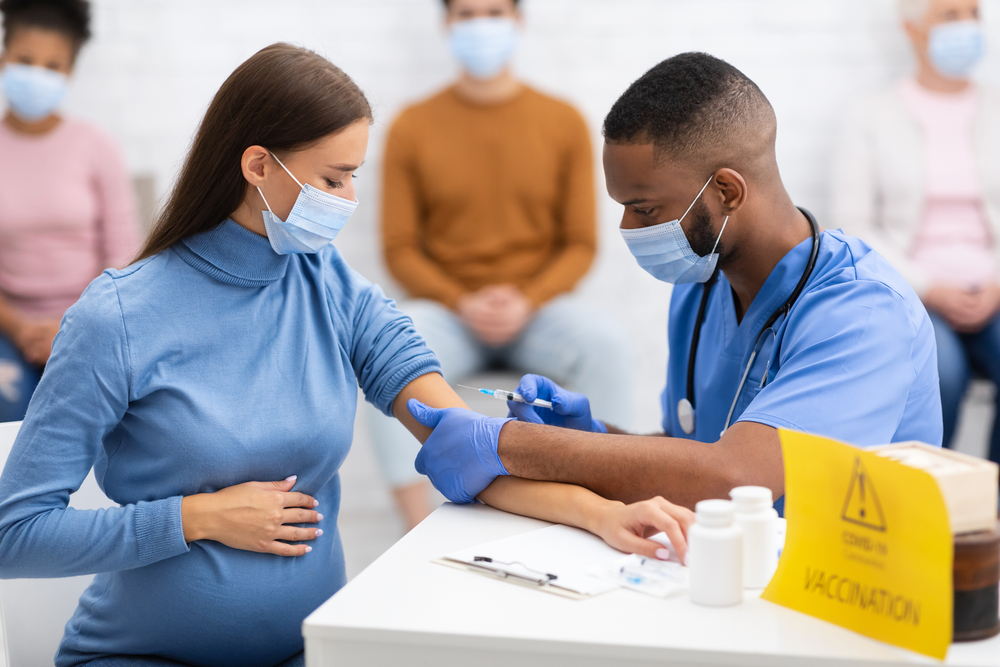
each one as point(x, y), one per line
point(154, 65)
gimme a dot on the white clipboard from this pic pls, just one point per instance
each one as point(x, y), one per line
point(558, 559)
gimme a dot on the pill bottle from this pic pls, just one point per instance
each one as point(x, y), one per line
point(756, 516)
point(715, 555)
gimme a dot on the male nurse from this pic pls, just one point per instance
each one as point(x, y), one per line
point(800, 328)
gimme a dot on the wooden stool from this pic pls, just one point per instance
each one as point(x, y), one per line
point(977, 577)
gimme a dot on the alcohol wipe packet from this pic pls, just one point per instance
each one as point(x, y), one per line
point(647, 575)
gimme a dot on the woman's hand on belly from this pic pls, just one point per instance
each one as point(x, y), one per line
point(253, 517)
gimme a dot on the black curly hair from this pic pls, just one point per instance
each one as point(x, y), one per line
point(692, 106)
point(68, 17)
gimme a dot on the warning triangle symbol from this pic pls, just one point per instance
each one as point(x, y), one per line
point(862, 506)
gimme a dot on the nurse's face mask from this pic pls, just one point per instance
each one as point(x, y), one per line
point(664, 252)
point(314, 221)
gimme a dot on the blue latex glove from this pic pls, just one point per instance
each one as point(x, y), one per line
point(460, 456)
point(569, 409)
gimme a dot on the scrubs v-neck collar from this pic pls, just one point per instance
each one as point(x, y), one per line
point(775, 291)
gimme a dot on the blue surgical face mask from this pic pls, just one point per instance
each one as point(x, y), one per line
point(313, 222)
point(483, 46)
point(32, 93)
point(955, 47)
point(664, 252)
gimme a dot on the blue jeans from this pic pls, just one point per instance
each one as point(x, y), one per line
point(577, 345)
point(18, 379)
point(297, 660)
point(959, 356)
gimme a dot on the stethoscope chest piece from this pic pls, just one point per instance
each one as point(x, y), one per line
point(685, 415)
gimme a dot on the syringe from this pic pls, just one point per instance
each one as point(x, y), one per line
point(504, 395)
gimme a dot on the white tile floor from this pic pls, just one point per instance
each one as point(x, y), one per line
point(369, 524)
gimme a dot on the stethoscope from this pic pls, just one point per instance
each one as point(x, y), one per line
point(685, 407)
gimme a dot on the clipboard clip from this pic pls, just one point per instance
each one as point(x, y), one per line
point(539, 578)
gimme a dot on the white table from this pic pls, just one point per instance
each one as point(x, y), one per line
point(405, 610)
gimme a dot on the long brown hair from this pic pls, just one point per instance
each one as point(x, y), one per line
point(283, 98)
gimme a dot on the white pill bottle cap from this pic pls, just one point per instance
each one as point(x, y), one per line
point(752, 498)
point(714, 513)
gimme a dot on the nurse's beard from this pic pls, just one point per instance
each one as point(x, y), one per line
point(702, 235)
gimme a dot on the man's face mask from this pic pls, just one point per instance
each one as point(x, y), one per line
point(664, 252)
point(483, 46)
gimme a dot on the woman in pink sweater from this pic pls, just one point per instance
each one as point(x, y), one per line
point(66, 209)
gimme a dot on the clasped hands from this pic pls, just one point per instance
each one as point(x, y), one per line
point(496, 314)
point(34, 340)
point(965, 311)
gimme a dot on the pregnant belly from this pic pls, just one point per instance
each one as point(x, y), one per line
point(212, 606)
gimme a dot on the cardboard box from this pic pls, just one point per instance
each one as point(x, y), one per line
point(968, 484)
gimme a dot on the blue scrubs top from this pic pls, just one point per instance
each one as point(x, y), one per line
point(854, 360)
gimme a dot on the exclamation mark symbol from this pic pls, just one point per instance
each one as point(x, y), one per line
point(861, 491)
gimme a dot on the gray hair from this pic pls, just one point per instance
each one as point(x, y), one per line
point(913, 10)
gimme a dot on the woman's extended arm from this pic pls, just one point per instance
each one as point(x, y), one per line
point(624, 527)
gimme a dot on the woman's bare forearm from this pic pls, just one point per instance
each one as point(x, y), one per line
point(430, 389)
point(623, 527)
point(549, 501)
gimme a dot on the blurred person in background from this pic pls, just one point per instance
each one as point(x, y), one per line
point(66, 209)
point(488, 222)
point(916, 175)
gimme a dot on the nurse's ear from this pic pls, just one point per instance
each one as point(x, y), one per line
point(256, 163)
point(730, 191)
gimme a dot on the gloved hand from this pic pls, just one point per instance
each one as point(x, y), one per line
point(569, 409)
point(460, 457)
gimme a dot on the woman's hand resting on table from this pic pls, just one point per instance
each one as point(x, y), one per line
point(626, 527)
point(253, 516)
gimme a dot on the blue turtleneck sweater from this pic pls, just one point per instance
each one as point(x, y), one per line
point(213, 363)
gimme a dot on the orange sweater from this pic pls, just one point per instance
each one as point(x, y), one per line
point(479, 195)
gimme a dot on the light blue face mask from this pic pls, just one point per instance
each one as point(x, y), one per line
point(32, 93)
point(955, 47)
point(664, 252)
point(313, 222)
point(484, 46)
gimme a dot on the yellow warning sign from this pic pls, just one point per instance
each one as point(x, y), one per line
point(868, 545)
point(862, 506)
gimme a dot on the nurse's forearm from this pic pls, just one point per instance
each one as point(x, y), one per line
point(430, 389)
point(631, 468)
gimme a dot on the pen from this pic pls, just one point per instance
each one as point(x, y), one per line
point(504, 395)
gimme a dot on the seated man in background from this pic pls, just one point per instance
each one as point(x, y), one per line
point(488, 219)
point(916, 176)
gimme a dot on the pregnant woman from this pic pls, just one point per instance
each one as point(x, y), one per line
point(225, 358)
